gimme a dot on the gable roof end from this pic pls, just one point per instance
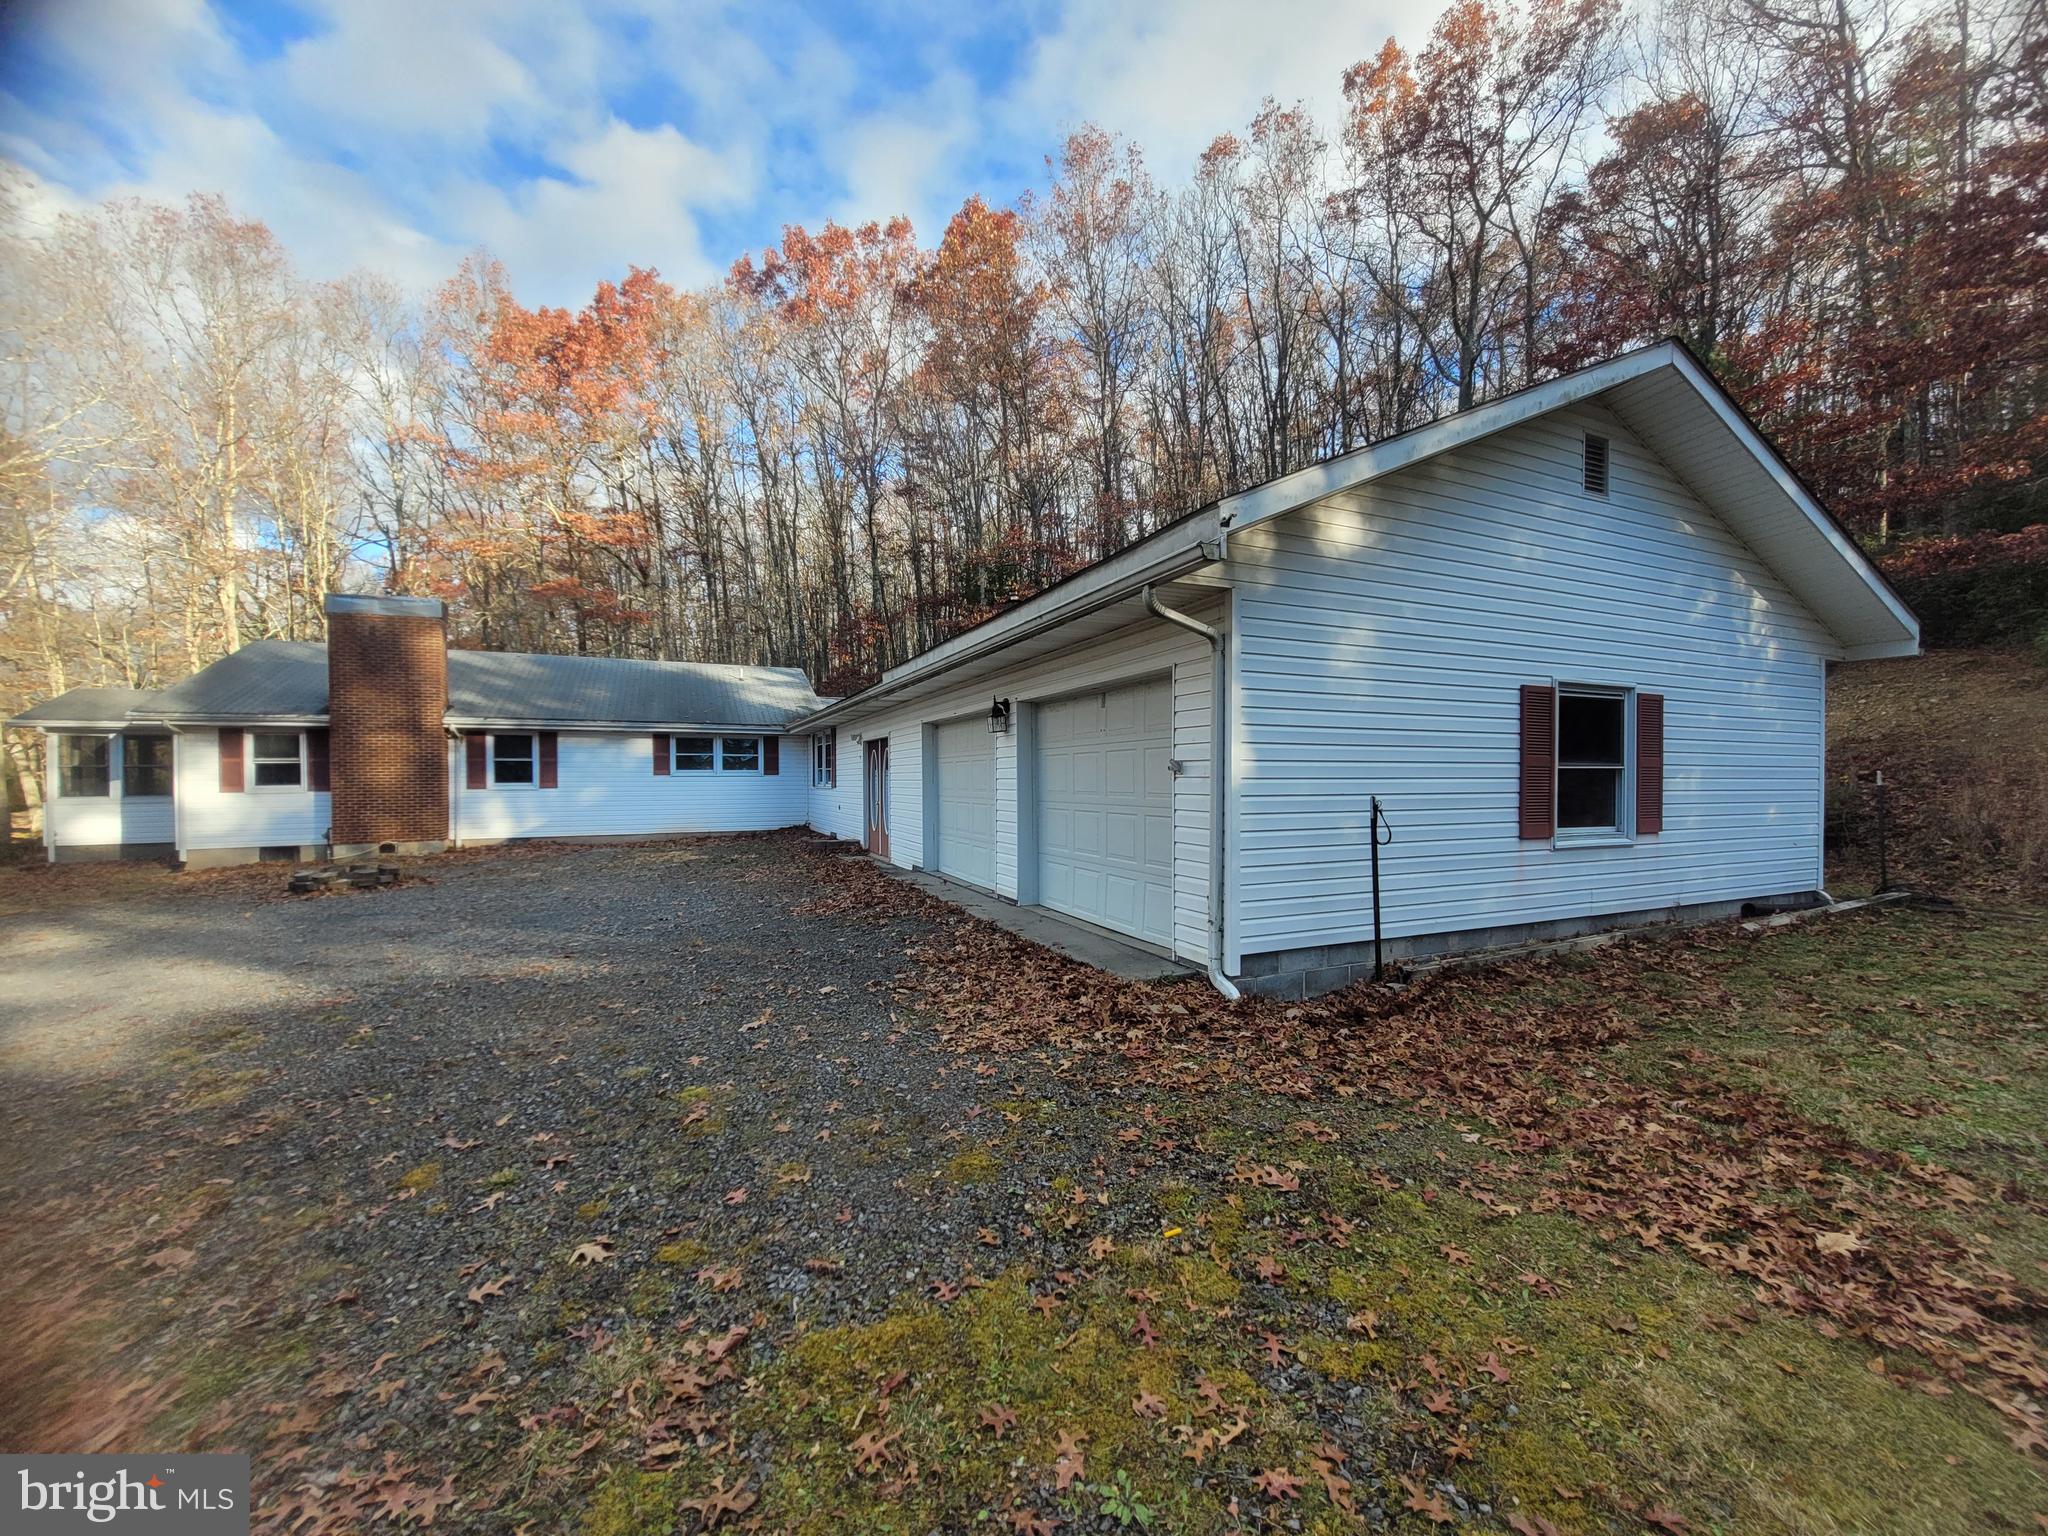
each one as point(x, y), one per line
point(1677, 409)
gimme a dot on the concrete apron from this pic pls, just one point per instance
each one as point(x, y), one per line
point(1126, 959)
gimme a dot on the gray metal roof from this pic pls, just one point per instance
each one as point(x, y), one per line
point(287, 680)
point(600, 690)
point(88, 706)
point(265, 680)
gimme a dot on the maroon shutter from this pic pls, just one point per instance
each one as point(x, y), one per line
point(1539, 760)
point(771, 754)
point(231, 762)
point(661, 754)
point(316, 759)
point(547, 759)
point(1649, 763)
point(476, 747)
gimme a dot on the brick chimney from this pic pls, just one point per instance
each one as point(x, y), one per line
point(387, 689)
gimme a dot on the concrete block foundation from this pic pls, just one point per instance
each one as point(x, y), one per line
point(1313, 970)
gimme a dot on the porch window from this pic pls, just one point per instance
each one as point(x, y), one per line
point(145, 765)
point(278, 759)
point(81, 766)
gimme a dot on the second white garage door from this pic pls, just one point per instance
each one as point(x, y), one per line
point(1105, 808)
point(965, 787)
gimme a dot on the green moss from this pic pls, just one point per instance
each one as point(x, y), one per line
point(684, 1253)
point(504, 1178)
point(1224, 1225)
point(976, 1165)
point(420, 1179)
point(1076, 1371)
point(590, 1210)
point(211, 1088)
point(652, 1295)
point(629, 1502)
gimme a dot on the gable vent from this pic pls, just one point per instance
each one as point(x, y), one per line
point(1594, 470)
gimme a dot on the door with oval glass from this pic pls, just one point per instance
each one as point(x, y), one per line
point(875, 788)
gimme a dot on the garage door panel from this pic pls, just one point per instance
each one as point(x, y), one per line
point(965, 791)
point(1087, 836)
point(1105, 808)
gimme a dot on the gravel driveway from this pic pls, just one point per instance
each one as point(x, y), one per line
point(419, 1135)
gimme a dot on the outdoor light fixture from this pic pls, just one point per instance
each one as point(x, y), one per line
point(998, 717)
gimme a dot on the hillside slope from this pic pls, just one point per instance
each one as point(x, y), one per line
point(1962, 739)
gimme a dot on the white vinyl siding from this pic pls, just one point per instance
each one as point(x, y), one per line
point(1148, 648)
point(606, 786)
point(1384, 633)
point(268, 818)
point(834, 809)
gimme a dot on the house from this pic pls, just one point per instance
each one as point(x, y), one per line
point(385, 739)
point(1571, 645)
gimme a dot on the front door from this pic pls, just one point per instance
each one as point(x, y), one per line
point(876, 784)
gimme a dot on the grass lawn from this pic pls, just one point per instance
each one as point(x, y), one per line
point(1384, 1309)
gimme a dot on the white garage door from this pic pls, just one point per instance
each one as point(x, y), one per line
point(1105, 808)
point(965, 784)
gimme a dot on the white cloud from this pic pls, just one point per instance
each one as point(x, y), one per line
point(400, 133)
point(1173, 77)
point(634, 201)
point(399, 66)
point(905, 161)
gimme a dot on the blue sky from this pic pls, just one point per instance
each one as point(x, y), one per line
point(574, 140)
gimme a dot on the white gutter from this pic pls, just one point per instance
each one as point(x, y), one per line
point(1219, 774)
point(459, 723)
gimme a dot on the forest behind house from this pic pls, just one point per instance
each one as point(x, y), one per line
point(860, 443)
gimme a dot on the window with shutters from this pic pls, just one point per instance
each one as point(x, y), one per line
point(512, 760)
point(278, 759)
point(82, 766)
point(1592, 761)
point(145, 765)
point(695, 754)
point(739, 754)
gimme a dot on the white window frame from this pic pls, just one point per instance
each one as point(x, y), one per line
point(170, 766)
point(532, 738)
point(760, 764)
point(822, 775)
point(675, 753)
point(1623, 831)
point(59, 738)
point(256, 788)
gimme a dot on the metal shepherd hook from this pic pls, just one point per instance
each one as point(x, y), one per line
point(1378, 824)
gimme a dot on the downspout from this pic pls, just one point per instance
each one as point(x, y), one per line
point(178, 791)
point(1219, 774)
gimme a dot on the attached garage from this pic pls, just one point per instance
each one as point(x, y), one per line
point(1105, 808)
point(964, 801)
